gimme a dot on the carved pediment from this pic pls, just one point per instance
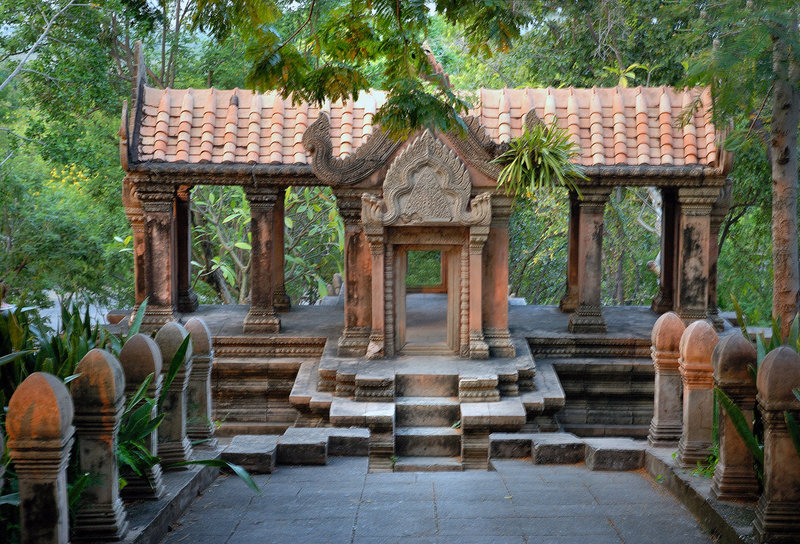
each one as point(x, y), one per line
point(427, 184)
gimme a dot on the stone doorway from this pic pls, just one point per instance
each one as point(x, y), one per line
point(427, 317)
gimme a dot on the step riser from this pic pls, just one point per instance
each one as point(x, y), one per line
point(426, 385)
point(426, 415)
point(428, 446)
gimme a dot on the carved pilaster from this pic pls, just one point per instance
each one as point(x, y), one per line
point(569, 302)
point(261, 317)
point(478, 348)
point(135, 216)
point(718, 213)
point(280, 299)
point(187, 299)
point(160, 259)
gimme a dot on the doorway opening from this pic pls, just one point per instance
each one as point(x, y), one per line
point(427, 311)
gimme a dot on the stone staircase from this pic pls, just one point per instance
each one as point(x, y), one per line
point(428, 420)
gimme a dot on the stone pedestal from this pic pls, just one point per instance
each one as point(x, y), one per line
point(279, 297)
point(173, 442)
point(200, 424)
point(569, 302)
point(40, 436)
point(358, 278)
point(141, 357)
point(734, 476)
point(664, 301)
point(694, 251)
point(187, 299)
point(696, 346)
point(777, 518)
point(99, 396)
point(261, 317)
point(160, 272)
point(588, 317)
point(666, 426)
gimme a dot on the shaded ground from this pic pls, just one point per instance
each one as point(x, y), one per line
point(519, 503)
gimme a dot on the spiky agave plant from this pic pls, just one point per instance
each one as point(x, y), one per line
point(540, 159)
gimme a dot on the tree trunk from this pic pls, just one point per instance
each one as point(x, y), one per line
point(783, 150)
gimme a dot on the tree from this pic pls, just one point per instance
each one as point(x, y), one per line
point(754, 55)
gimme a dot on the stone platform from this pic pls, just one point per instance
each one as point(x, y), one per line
point(433, 410)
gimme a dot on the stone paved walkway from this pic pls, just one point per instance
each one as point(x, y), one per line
point(519, 503)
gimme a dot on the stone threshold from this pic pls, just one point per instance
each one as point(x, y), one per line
point(732, 522)
point(149, 521)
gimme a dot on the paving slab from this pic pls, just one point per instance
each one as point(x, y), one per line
point(615, 453)
point(518, 502)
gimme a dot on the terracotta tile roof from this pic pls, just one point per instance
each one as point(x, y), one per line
point(612, 126)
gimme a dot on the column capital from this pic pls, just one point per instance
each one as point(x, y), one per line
point(593, 199)
point(155, 197)
point(477, 239)
point(348, 202)
point(502, 206)
point(697, 200)
point(261, 197)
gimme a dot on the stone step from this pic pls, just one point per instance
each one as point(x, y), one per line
point(426, 385)
point(426, 411)
point(255, 453)
point(542, 448)
point(427, 441)
point(312, 445)
point(261, 346)
point(428, 464)
point(615, 453)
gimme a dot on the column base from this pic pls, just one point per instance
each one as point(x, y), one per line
point(201, 431)
point(100, 523)
point(261, 320)
point(156, 317)
point(187, 301)
point(691, 453)
point(569, 302)
point(353, 342)
point(281, 302)
point(664, 434)
point(776, 521)
point(499, 342)
point(587, 319)
point(689, 316)
point(716, 321)
point(734, 484)
point(478, 348)
point(375, 348)
point(661, 304)
point(149, 487)
point(175, 452)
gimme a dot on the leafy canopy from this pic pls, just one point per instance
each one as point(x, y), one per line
point(337, 49)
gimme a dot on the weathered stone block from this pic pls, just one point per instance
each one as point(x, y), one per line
point(557, 449)
point(614, 454)
point(303, 447)
point(348, 442)
point(256, 453)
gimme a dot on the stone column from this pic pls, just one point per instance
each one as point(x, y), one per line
point(140, 357)
point(495, 280)
point(160, 273)
point(187, 299)
point(200, 424)
point(279, 297)
point(734, 476)
point(588, 316)
point(173, 442)
point(261, 317)
point(358, 277)
point(135, 216)
point(2, 467)
point(40, 435)
point(664, 301)
point(478, 349)
point(666, 426)
point(99, 396)
point(718, 213)
point(697, 344)
point(777, 518)
point(377, 336)
point(694, 251)
point(569, 302)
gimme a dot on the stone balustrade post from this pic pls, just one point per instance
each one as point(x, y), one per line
point(734, 476)
point(697, 344)
point(98, 394)
point(778, 510)
point(173, 442)
point(141, 357)
point(40, 436)
point(666, 425)
point(200, 424)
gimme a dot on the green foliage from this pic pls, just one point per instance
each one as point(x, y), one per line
point(424, 269)
point(540, 159)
